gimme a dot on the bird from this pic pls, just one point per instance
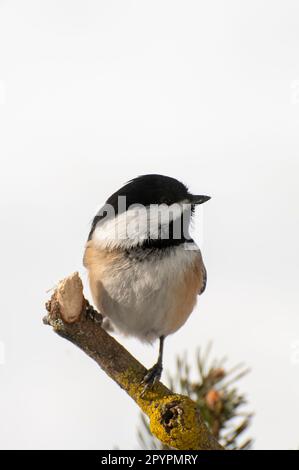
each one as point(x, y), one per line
point(145, 271)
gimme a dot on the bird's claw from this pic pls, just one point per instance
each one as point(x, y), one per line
point(151, 377)
point(92, 314)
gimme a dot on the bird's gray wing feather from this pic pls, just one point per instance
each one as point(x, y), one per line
point(204, 277)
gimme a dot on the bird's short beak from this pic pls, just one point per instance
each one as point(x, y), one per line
point(195, 199)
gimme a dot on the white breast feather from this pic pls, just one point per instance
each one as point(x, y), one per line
point(138, 296)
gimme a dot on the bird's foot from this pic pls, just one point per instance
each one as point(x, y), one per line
point(92, 314)
point(151, 377)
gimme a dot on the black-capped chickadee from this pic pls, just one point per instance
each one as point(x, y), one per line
point(145, 271)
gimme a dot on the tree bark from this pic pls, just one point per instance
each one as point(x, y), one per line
point(174, 419)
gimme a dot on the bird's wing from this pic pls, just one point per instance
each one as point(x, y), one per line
point(204, 279)
point(204, 276)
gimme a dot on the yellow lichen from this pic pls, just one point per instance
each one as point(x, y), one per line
point(174, 418)
point(175, 422)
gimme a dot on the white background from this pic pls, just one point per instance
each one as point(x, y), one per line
point(93, 93)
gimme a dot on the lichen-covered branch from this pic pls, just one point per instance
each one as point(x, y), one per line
point(174, 419)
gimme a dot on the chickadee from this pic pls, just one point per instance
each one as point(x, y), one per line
point(145, 271)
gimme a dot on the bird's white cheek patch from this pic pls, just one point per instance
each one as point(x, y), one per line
point(137, 224)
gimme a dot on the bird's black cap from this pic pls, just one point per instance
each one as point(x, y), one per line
point(155, 189)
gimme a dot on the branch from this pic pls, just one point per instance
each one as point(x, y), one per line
point(174, 419)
